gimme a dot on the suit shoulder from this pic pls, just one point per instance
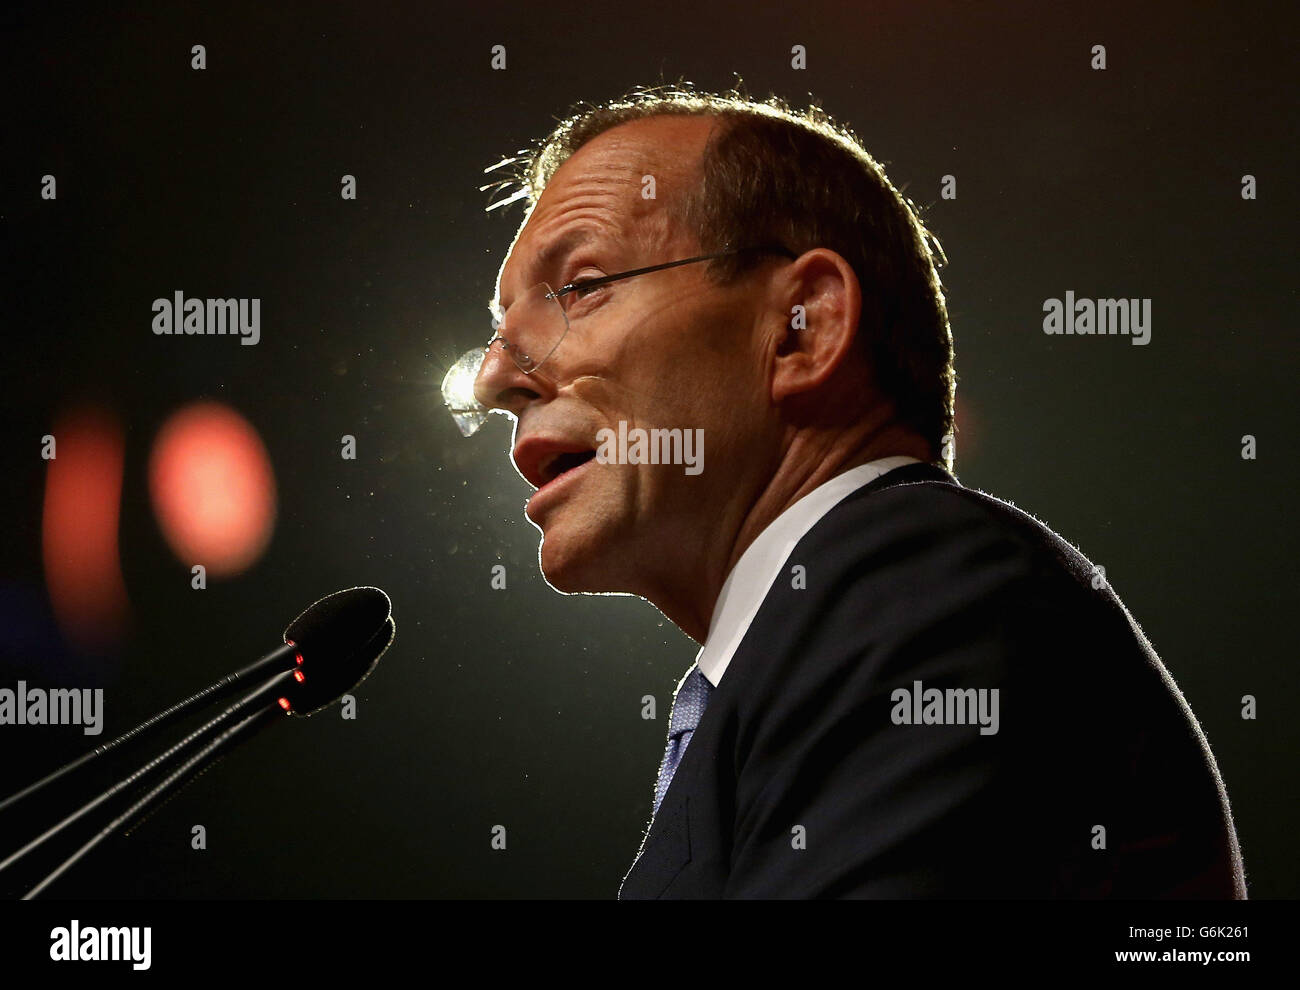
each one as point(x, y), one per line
point(930, 562)
point(920, 519)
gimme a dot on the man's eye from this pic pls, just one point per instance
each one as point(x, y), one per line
point(583, 289)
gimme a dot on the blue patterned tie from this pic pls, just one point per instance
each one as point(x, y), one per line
point(688, 708)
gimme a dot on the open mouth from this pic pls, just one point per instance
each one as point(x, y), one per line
point(563, 463)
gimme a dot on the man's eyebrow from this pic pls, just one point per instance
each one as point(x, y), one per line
point(548, 259)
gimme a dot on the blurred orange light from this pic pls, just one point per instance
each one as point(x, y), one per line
point(213, 489)
point(83, 492)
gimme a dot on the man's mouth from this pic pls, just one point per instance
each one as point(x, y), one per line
point(559, 464)
point(557, 473)
point(541, 460)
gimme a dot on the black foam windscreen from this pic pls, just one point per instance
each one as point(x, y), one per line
point(341, 638)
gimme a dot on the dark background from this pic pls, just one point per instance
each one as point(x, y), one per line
point(522, 707)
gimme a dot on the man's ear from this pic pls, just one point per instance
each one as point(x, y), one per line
point(822, 301)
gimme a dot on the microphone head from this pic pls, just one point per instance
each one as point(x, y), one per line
point(340, 638)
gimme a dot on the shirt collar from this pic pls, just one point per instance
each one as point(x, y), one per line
point(763, 560)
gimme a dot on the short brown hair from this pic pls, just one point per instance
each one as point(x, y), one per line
point(771, 174)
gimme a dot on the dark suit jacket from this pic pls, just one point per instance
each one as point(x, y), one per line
point(915, 578)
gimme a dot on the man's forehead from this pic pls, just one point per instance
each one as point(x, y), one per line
point(598, 192)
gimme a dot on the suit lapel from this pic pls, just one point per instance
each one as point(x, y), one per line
point(666, 848)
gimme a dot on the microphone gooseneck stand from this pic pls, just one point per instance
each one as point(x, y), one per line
point(326, 652)
point(273, 685)
point(191, 768)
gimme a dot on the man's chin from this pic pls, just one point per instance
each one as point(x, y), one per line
point(565, 572)
point(573, 569)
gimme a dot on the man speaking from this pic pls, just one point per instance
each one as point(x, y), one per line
point(906, 688)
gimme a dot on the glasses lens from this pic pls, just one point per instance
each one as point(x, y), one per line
point(458, 392)
point(534, 327)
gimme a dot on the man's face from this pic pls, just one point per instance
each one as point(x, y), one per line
point(664, 350)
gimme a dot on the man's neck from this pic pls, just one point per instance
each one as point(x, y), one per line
point(809, 461)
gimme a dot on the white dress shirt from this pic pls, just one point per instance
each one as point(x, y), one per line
point(764, 560)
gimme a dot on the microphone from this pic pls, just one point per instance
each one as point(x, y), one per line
point(325, 642)
point(340, 640)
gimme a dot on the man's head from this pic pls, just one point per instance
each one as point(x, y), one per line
point(783, 365)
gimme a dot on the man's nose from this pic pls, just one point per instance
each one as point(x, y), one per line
point(500, 384)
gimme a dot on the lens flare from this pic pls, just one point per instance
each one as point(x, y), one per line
point(458, 392)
